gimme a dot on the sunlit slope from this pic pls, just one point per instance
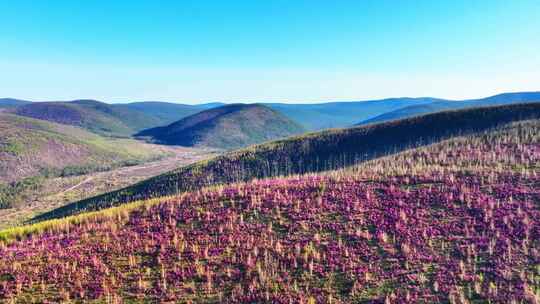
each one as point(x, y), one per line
point(311, 153)
point(30, 148)
point(453, 222)
point(36, 144)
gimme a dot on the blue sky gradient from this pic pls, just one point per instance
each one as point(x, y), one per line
point(280, 50)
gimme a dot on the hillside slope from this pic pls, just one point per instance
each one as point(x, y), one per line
point(31, 147)
point(437, 106)
point(314, 152)
point(95, 116)
point(455, 222)
point(227, 127)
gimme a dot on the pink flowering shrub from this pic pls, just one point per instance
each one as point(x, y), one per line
point(456, 222)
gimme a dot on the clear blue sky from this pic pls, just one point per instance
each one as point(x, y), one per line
point(301, 51)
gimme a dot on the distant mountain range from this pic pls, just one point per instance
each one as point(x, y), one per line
point(9, 103)
point(443, 105)
point(118, 120)
point(130, 118)
point(226, 127)
point(343, 114)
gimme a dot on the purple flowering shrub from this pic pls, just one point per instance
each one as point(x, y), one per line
point(455, 222)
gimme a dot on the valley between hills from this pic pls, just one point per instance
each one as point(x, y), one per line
point(58, 191)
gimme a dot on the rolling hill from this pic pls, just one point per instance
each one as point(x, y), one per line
point(156, 113)
point(11, 103)
point(106, 119)
point(32, 148)
point(313, 152)
point(227, 127)
point(95, 116)
point(168, 112)
point(454, 222)
point(436, 106)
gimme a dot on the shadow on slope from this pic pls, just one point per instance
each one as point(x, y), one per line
point(228, 127)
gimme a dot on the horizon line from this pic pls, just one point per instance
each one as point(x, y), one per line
point(275, 102)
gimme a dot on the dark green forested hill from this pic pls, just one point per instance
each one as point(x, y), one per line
point(227, 127)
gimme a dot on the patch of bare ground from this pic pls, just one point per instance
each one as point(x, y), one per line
point(60, 191)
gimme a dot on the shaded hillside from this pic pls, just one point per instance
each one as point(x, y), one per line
point(342, 114)
point(11, 103)
point(227, 127)
point(311, 153)
point(410, 111)
point(92, 115)
point(31, 147)
point(455, 222)
point(415, 110)
point(167, 112)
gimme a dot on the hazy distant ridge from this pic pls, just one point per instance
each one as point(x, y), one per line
point(414, 110)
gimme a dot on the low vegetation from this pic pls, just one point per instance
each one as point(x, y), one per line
point(56, 188)
point(314, 152)
point(15, 193)
point(32, 149)
point(453, 222)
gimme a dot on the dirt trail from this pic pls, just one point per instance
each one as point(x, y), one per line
point(77, 185)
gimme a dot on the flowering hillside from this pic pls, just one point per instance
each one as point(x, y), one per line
point(455, 222)
point(314, 152)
